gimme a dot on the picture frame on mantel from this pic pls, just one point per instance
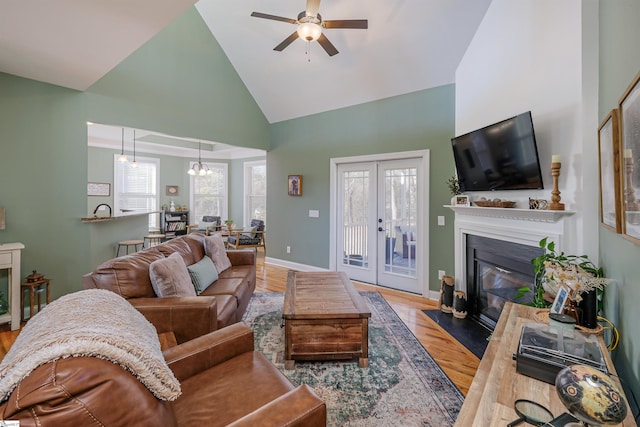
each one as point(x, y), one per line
point(629, 106)
point(609, 169)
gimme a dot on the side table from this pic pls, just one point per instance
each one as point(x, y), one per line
point(36, 288)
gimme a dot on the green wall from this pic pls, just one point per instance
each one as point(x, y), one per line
point(43, 173)
point(419, 120)
point(179, 83)
point(619, 64)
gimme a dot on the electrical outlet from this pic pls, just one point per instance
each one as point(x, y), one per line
point(288, 249)
point(441, 273)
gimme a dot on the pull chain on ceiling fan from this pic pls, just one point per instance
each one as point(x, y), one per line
point(310, 25)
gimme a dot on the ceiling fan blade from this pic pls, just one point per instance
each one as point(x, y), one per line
point(361, 24)
point(327, 45)
point(286, 42)
point(274, 17)
point(312, 7)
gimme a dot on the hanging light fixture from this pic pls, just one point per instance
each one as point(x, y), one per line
point(122, 157)
point(134, 164)
point(199, 168)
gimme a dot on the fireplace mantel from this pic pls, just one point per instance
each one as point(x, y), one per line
point(512, 213)
point(523, 226)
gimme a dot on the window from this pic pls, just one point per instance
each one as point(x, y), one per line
point(209, 193)
point(136, 189)
point(255, 191)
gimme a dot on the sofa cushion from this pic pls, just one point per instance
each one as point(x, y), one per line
point(203, 273)
point(190, 247)
point(170, 277)
point(218, 389)
point(214, 248)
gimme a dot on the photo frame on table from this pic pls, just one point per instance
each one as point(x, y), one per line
point(98, 189)
point(629, 107)
point(561, 299)
point(609, 168)
point(294, 185)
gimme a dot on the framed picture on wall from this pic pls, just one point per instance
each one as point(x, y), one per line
point(609, 160)
point(98, 189)
point(295, 185)
point(629, 107)
point(172, 190)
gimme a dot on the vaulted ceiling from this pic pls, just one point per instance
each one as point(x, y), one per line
point(410, 45)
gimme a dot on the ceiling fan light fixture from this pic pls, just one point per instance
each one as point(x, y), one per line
point(309, 31)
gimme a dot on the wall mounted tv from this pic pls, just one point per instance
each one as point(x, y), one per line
point(501, 156)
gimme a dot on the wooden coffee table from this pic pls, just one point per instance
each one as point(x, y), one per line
point(325, 318)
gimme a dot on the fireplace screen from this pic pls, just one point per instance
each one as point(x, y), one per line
point(496, 286)
point(496, 269)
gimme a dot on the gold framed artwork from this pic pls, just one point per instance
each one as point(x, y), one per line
point(609, 168)
point(294, 185)
point(629, 107)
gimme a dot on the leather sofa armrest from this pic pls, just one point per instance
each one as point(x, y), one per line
point(186, 317)
point(242, 257)
point(199, 354)
point(298, 408)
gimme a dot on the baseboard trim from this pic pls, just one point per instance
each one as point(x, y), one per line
point(292, 265)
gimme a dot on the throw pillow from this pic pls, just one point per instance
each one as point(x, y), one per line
point(203, 273)
point(214, 249)
point(170, 277)
point(251, 233)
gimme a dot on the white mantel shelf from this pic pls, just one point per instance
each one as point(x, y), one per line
point(512, 213)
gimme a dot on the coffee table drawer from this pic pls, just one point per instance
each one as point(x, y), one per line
point(331, 339)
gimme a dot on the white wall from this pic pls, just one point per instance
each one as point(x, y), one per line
point(528, 55)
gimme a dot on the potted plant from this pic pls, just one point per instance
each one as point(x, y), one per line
point(229, 224)
point(454, 189)
point(554, 269)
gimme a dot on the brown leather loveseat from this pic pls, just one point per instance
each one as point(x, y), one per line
point(90, 359)
point(222, 303)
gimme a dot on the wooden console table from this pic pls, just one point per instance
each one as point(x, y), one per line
point(497, 384)
point(10, 260)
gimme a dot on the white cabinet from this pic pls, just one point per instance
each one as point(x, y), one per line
point(10, 260)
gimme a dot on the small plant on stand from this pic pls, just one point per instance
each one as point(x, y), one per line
point(229, 224)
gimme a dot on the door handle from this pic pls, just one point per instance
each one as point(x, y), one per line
point(379, 219)
point(380, 229)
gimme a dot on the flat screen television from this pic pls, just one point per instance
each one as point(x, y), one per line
point(501, 156)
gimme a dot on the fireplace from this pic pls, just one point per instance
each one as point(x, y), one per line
point(522, 228)
point(496, 269)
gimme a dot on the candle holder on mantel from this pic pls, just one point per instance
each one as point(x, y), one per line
point(555, 204)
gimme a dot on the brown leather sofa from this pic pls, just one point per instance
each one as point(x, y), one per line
point(221, 304)
point(224, 382)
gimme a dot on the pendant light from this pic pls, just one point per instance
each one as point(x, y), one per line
point(122, 157)
point(199, 168)
point(134, 164)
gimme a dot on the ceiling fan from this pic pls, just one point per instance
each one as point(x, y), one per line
point(310, 25)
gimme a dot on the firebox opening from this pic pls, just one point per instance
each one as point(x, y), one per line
point(496, 269)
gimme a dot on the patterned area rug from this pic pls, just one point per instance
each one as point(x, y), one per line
point(403, 386)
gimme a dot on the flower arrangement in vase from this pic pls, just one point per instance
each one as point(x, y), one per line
point(576, 272)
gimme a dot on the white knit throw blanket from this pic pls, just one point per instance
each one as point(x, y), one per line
point(93, 322)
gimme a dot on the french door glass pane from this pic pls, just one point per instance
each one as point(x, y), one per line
point(355, 218)
point(400, 221)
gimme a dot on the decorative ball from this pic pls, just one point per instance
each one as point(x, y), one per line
point(590, 395)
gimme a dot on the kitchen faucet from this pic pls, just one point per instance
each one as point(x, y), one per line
point(98, 207)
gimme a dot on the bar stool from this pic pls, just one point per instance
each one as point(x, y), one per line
point(127, 244)
point(154, 239)
point(37, 285)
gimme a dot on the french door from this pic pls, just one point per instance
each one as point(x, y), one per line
point(378, 232)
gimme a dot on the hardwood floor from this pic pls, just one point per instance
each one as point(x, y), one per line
point(454, 359)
